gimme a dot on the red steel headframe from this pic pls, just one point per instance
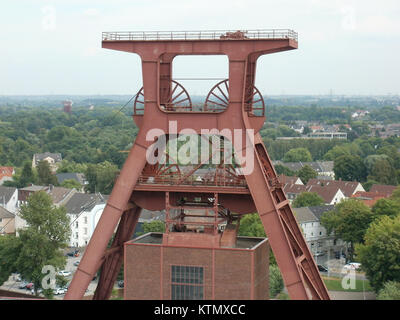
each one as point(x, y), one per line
point(157, 51)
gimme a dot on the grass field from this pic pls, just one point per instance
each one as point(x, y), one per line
point(335, 284)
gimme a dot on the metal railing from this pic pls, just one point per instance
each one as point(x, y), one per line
point(200, 35)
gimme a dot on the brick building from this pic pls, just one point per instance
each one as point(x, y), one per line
point(187, 266)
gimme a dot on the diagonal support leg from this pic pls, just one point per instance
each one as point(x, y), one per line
point(299, 271)
point(113, 259)
point(116, 205)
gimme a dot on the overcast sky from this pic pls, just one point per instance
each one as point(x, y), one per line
point(54, 47)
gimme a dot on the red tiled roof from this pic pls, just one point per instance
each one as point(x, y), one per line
point(6, 172)
point(348, 187)
point(383, 189)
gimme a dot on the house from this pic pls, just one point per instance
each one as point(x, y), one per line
point(84, 211)
point(293, 190)
point(60, 195)
point(24, 193)
point(383, 189)
point(289, 180)
point(309, 219)
point(348, 188)
point(323, 168)
point(330, 194)
point(52, 158)
point(369, 198)
point(6, 174)
point(7, 222)
point(147, 216)
point(78, 177)
point(9, 198)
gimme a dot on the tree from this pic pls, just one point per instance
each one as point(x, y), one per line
point(307, 199)
point(349, 168)
point(349, 221)
point(27, 176)
point(101, 177)
point(367, 185)
point(386, 207)
point(390, 291)
point(280, 169)
point(275, 281)
point(153, 226)
point(297, 154)
point(251, 226)
point(9, 249)
point(40, 242)
point(45, 177)
point(71, 184)
point(306, 173)
point(380, 254)
point(383, 172)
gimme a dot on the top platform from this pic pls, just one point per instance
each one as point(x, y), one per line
point(273, 34)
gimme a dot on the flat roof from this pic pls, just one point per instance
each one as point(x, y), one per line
point(241, 242)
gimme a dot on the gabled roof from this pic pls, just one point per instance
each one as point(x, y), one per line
point(318, 211)
point(294, 188)
point(288, 179)
point(84, 202)
point(384, 189)
point(5, 214)
point(318, 166)
point(41, 156)
point(6, 172)
point(34, 188)
point(6, 193)
point(348, 187)
point(79, 177)
point(327, 193)
point(58, 194)
point(304, 215)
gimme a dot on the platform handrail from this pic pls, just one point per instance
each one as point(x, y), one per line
point(200, 35)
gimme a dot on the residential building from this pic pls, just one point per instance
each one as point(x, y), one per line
point(7, 221)
point(84, 211)
point(309, 219)
point(383, 189)
point(330, 194)
point(78, 177)
point(328, 135)
point(60, 195)
point(348, 188)
point(52, 158)
point(9, 198)
point(6, 174)
point(147, 216)
point(323, 168)
point(369, 198)
point(289, 180)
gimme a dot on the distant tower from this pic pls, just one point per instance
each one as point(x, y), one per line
point(67, 106)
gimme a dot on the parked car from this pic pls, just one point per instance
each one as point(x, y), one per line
point(74, 253)
point(29, 286)
point(322, 268)
point(319, 253)
point(64, 273)
point(352, 266)
point(22, 285)
point(76, 263)
point(121, 283)
point(58, 291)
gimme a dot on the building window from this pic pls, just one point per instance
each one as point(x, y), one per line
point(76, 235)
point(85, 231)
point(85, 220)
point(76, 224)
point(187, 283)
